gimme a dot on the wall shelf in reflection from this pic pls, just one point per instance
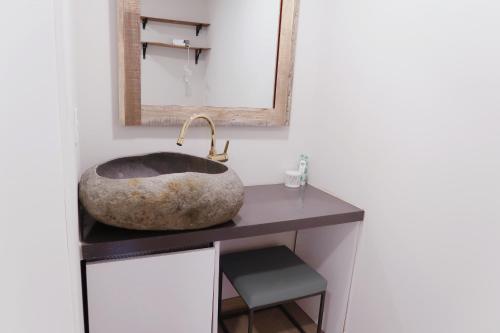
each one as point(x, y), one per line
point(197, 25)
point(197, 50)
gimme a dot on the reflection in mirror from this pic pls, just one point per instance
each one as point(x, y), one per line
point(231, 59)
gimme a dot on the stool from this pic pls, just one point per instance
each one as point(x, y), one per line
point(270, 277)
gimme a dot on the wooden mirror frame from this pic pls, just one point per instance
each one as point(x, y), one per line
point(133, 113)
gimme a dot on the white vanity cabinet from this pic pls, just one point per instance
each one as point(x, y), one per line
point(152, 294)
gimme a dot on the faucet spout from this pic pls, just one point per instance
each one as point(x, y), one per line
point(212, 154)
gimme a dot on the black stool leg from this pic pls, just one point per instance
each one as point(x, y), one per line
point(250, 321)
point(321, 310)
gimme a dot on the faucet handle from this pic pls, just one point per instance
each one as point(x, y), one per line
point(220, 157)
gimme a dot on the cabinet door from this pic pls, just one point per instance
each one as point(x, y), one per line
point(154, 294)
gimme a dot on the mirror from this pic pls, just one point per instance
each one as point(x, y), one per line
point(229, 59)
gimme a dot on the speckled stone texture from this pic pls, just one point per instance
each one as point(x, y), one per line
point(162, 191)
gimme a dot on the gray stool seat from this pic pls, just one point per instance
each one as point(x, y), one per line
point(271, 276)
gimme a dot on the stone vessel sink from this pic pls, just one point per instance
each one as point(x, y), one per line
point(161, 191)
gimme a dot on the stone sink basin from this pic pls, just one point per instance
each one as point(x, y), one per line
point(161, 191)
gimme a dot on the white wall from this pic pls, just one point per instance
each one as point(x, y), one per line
point(409, 132)
point(183, 10)
point(39, 273)
point(241, 65)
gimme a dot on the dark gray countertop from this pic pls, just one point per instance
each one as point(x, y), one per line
point(267, 209)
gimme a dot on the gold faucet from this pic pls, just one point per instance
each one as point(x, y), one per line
point(212, 154)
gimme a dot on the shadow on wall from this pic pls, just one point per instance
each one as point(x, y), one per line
point(391, 303)
point(141, 132)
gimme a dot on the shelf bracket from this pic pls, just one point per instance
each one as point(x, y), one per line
point(144, 22)
point(144, 49)
point(197, 56)
point(198, 29)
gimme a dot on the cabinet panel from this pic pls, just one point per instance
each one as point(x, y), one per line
point(331, 251)
point(153, 294)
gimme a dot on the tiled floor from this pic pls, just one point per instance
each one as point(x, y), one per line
point(266, 321)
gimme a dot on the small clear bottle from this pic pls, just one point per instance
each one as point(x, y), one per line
point(303, 169)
